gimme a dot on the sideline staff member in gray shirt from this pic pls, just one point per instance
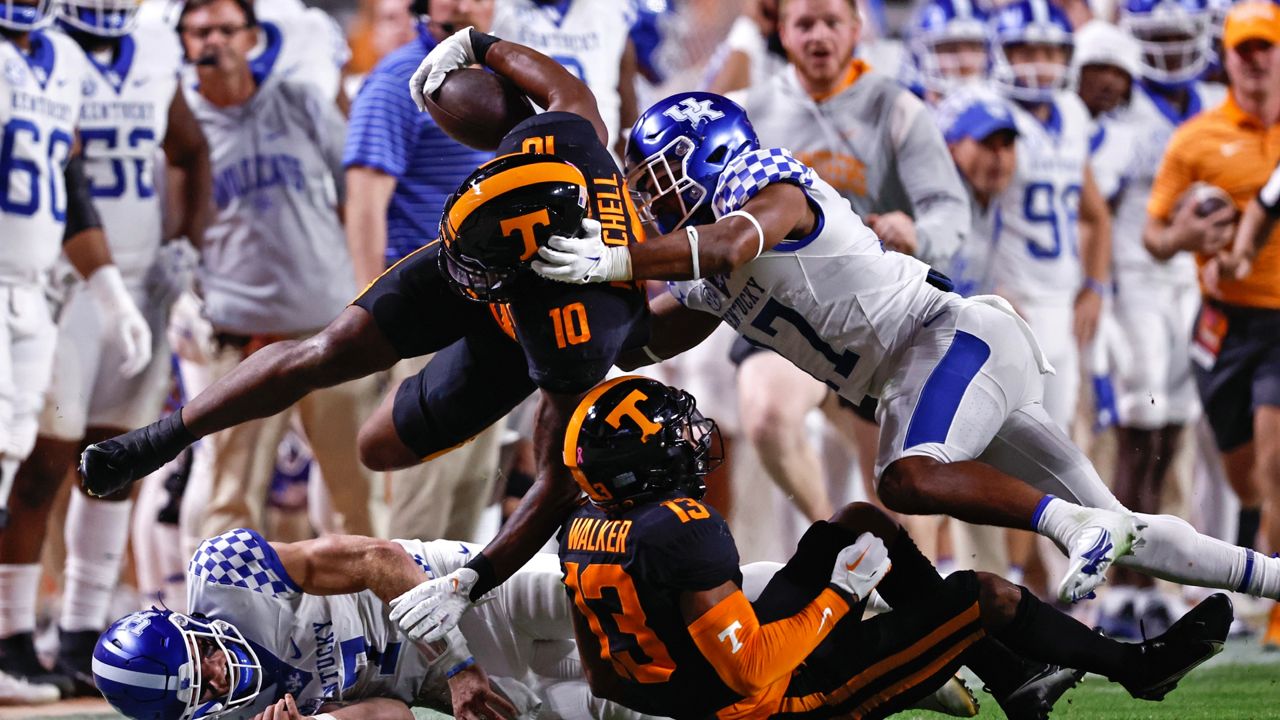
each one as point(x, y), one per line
point(275, 266)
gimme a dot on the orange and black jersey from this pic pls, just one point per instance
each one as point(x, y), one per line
point(625, 574)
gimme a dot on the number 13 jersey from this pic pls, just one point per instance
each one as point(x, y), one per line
point(835, 303)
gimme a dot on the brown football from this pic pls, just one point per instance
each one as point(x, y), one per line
point(1209, 199)
point(477, 108)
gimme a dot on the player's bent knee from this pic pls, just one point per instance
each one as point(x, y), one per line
point(381, 448)
point(998, 599)
point(863, 517)
point(903, 488)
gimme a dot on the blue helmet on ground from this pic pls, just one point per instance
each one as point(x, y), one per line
point(1031, 23)
point(24, 16)
point(150, 666)
point(100, 18)
point(676, 152)
point(1174, 35)
point(942, 39)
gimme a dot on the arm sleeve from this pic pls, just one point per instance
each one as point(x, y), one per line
point(927, 172)
point(81, 213)
point(383, 125)
point(748, 656)
point(1269, 195)
point(1172, 179)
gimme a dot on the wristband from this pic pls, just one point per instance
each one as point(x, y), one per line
point(460, 667)
point(692, 233)
point(323, 716)
point(487, 578)
point(756, 223)
point(480, 44)
point(1096, 286)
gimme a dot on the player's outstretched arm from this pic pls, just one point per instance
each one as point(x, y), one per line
point(673, 329)
point(777, 212)
point(340, 564)
point(286, 708)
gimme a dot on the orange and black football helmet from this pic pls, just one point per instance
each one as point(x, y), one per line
point(494, 223)
point(633, 438)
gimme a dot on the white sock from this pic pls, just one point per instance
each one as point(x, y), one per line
point(8, 471)
point(1175, 551)
point(1059, 520)
point(19, 585)
point(96, 534)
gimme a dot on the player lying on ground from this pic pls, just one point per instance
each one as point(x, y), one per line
point(758, 240)
point(663, 626)
point(309, 619)
point(529, 333)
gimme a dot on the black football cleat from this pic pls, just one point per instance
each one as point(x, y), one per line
point(112, 465)
point(1194, 638)
point(1035, 698)
point(75, 660)
point(18, 659)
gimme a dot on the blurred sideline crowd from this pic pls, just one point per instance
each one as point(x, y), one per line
point(1164, 327)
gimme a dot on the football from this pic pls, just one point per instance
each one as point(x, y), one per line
point(1208, 199)
point(477, 108)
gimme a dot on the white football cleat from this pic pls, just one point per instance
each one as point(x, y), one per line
point(1104, 537)
point(17, 691)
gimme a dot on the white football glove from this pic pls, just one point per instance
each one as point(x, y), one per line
point(428, 611)
point(581, 260)
point(452, 53)
point(132, 331)
point(861, 566)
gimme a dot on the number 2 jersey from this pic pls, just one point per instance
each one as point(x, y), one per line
point(626, 573)
point(40, 108)
point(122, 123)
point(835, 303)
point(1037, 254)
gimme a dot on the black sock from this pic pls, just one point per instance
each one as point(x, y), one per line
point(1247, 532)
point(1041, 632)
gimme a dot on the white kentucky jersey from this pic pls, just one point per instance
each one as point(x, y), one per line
point(835, 303)
point(39, 109)
point(305, 45)
point(1037, 254)
point(1140, 133)
point(587, 37)
point(318, 648)
point(123, 122)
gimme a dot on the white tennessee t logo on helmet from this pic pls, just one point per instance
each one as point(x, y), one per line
point(693, 112)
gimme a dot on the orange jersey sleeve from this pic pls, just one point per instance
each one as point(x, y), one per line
point(750, 657)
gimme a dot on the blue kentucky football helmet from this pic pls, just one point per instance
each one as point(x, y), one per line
point(676, 152)
point(941, 39)
point(1174, 36)
point(1030, 23)
point(101, 18)
point(24, 17)
point(148, 665)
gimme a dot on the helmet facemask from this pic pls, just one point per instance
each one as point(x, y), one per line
point(1176, 46)
point(244, 672)
point(667, 196)
point(24, 16)
point(1037, 81)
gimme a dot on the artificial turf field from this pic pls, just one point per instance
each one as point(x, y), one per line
point(1240, 684)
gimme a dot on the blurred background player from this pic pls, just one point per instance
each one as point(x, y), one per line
point(1155, 300)
point(1052, 256)
point(589, 38)
point(400, 169)
point(132, 111)
point(275, 265)
point(1234, 147)
point(948, 45)
point(46, 204)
